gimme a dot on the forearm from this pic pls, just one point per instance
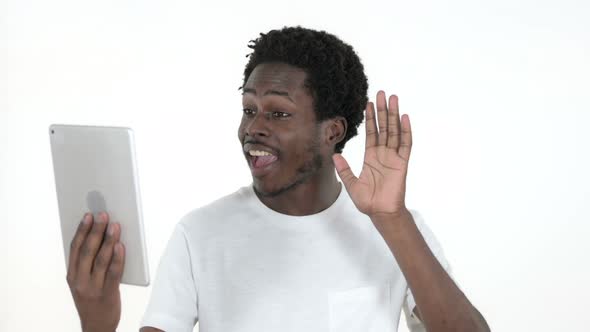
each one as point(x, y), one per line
point(442, 305)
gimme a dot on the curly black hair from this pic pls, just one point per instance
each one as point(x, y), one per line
point(335, 74)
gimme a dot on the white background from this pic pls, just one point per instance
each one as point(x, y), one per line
point(498, 94)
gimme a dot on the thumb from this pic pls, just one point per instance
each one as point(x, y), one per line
point(344, 171)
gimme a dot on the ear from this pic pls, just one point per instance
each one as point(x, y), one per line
point(335, 130)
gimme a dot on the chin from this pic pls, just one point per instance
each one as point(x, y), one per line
point(272, 186)
point(271, 189)
point(266, 189)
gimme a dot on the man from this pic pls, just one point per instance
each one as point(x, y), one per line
point(294, 251)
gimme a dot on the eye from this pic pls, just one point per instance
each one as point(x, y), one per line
point(248, 111)
point(279, 114)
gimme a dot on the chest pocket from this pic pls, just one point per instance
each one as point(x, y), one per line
point(363, 309)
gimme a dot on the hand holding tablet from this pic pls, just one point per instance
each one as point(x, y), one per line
point(95, 269)
point(101, 221)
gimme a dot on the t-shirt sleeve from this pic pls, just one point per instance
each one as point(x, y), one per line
point(173, 303)
point(412, 321)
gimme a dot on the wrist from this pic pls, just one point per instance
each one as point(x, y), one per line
point(92, 329)
point(395, 217)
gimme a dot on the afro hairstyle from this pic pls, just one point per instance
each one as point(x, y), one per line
point(335, 74)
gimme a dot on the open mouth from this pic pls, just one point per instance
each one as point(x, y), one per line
point(261, 159)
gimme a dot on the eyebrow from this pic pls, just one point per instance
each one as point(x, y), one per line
point(269, 92)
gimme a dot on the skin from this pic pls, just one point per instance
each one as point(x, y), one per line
point(279, 117)
point(94, 273)
point(379, 192)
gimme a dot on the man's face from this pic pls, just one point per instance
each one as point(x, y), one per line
point(279, 132)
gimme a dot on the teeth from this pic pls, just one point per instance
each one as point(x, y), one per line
point(256, 153)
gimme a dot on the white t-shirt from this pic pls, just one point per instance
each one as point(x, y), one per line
point(236, 265)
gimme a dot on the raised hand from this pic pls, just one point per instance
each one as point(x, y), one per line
point(94, 273)
point(380, 189)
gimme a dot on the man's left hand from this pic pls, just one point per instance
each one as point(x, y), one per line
point(380, 189)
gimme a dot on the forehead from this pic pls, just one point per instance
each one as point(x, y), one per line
point(276, 76)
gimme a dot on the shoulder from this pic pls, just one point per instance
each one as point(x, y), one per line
point(418, 219)
point(218, 211)
point(430, 238)
point(422, 225)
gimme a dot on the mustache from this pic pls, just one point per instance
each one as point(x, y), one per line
point(255, 142)
point(249, 143)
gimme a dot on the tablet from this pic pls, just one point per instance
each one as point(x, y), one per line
point(95, 170)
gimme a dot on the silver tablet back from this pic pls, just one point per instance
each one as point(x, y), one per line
point(95, 170)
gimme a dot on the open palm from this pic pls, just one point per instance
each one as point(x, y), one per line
point(381, 186)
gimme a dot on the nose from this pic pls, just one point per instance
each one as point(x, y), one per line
point(257, 126)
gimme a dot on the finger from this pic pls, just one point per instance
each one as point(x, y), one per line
point(406, 138)
point(116, 268)
point(92, 244)
point(370, 126)
point(382, 118)
point(76, 245)
point(393, 123)
point(344, 171)
point(105, 254)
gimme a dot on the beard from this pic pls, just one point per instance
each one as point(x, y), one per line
point(302, 174)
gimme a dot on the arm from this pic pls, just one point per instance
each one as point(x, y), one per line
point(440, 304)
point(379, 192)
point(416, 313)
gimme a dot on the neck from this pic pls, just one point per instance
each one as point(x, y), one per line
point(313, 196)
